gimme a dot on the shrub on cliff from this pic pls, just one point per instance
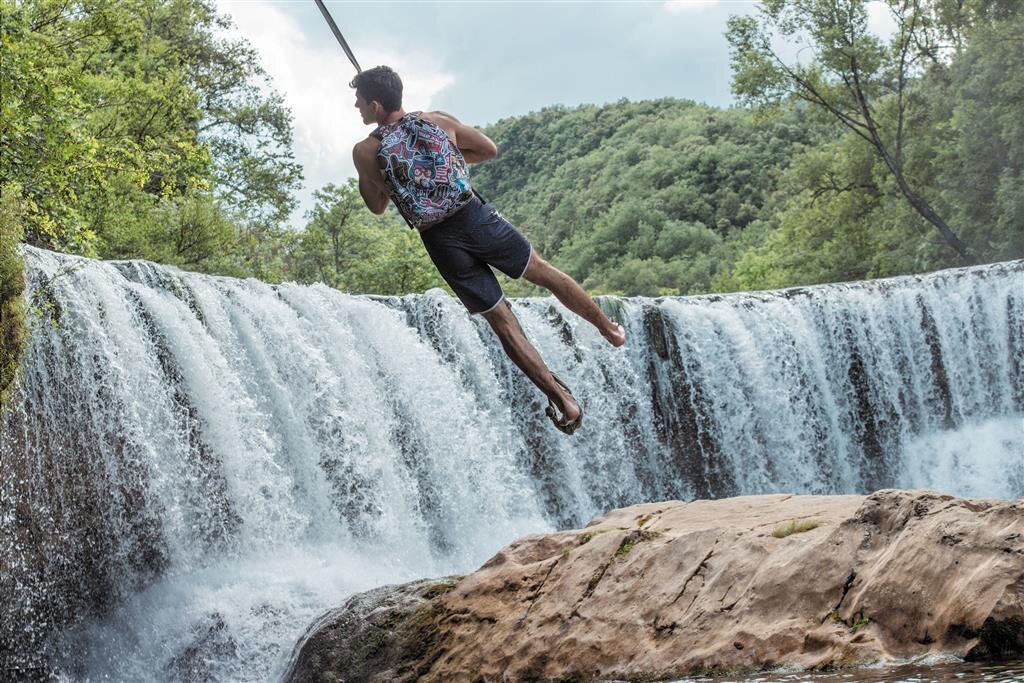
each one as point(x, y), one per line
point(12, 284)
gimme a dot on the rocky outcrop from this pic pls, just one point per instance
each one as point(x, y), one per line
point(671, 589)
point(384, 634)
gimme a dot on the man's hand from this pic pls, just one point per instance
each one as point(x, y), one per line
point(371, 183)
point(474, 145)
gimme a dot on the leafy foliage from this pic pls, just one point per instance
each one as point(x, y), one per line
point(347, 247)
point(818, 181)
point(119, 113)
point(12, 284)
point(859, 80)
point(646, 197)
point(952, 128)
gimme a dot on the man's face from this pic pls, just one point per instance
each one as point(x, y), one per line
point(366, 109)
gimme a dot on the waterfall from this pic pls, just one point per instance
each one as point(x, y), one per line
point(195, 467)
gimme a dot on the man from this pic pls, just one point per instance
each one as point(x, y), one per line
point(418, 160)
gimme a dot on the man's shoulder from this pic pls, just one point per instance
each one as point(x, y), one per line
point(369, 142)
point(443, 120)
point(367, 146)
point(442, 115)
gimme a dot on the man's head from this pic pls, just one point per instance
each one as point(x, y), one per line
point(378, 93)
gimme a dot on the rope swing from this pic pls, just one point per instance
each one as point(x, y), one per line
point(337, 34)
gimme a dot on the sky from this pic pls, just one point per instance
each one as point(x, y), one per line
point(480, 60)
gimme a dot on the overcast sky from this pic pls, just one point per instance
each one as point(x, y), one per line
point(482, 61)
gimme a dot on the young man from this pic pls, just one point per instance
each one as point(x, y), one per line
point(418, 160)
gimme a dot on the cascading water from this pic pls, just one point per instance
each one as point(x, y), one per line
point(196, 467)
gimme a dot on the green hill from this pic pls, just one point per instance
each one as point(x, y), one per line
point(648, 197)
point(673, 197)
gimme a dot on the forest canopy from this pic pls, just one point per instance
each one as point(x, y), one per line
point(139, 129)
point(807, 182)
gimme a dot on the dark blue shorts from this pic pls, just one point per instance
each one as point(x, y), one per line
point(467, 244)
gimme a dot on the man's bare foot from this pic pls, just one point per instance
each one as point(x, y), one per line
point(569, 414)
point(570, 409)
point(616, 336)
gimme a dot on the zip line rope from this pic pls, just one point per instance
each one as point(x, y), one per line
point(337, 34)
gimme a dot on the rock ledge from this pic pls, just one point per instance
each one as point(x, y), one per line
point(673, 589)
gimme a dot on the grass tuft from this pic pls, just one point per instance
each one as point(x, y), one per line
point(859, 624)
point(794, 527)
point(632, 540)
point(586, 537)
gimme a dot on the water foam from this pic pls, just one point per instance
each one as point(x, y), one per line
point(198, 466)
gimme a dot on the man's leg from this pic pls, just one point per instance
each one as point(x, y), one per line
point(505, 324)
point(573, 297)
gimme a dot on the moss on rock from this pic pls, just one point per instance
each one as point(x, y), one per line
point(384, 634)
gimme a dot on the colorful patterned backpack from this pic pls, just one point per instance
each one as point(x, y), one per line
point(425, 173)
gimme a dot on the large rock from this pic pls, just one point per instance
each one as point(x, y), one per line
point(383, 634)
point(672, 589)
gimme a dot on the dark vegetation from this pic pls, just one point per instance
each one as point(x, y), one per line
point(12, 284)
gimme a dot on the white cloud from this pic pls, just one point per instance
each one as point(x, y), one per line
point(679, 6)
point(880, 20)
point(314, 84)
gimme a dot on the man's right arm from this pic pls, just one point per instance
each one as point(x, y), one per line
point(371, 184)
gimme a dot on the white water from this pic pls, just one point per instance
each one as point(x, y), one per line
point(200, 466)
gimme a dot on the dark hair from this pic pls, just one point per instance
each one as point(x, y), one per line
point(382, 84)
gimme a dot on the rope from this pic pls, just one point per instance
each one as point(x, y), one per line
point(337, 34)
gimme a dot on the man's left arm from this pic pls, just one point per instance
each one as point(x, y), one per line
point(474, 145)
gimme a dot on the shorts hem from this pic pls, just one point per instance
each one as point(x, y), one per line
point(488, 310)
point(527, 266)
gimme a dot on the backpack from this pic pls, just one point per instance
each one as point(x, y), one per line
point(425, 173)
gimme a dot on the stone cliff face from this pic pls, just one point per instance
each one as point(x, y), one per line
point(669, 589)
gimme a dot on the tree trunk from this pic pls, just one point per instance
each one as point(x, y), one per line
point(926, 211)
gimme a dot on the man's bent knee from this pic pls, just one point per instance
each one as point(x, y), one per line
point(540, 272)
point(499, 316)
point(504, 322)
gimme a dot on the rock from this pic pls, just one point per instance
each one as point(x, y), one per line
point(211, 641)
point(675, 589)
point(380, 635)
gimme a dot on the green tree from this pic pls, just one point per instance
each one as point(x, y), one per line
point(668, 186)
point(976, 136)
point(113, 108)
point(865, 84)
point(193, 232)
point(248, 130)
point(12, 284)
point(347, 247)
point(49, 158)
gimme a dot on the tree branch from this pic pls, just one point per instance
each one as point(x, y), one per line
point(812, 95)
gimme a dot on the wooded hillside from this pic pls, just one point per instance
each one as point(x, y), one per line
point(672, 197)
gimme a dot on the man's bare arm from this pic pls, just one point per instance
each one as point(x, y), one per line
point(371, 184)
point(474, 145)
